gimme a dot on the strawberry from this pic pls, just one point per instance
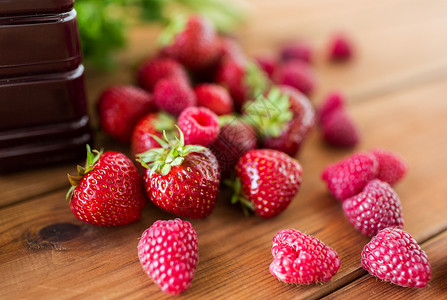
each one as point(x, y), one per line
point(266, 181)
point(151, 124)
point(153, 70)
point(267, 64)
point(375, 208)
point(340, 48)
point(120, 108)
point(283, 118)
point(107, 191)
point(168, 252)
point(348, 177)
point(297, 51)
point(181, 179)
point(333, 102)
point(230, 48)
point(235, 138)
point(392, 167)
point(340, 130)
point(193, 42)
point(215, 98)
point(200, 125)
point(243, 79)
point(393, 255)
point(299, 258)
point(296, 74)
point(174, 95)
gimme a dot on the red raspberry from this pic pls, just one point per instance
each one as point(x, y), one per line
point(348, 177)
point(214, 97)
point(120, 108)
point(340, 48)
point(334, 101)
point(297, 51)
point(374, 209)
point(339, 130)
point(168, 252)
point(153, 70)
point(199, 125)
point(296, 74)
point(267, 64)
point(394, 256)
point(299, 258)
point(392, 167)
point(173, 95)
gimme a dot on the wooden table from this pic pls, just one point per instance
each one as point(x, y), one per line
point(397, 94)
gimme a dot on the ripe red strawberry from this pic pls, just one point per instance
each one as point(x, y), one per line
point(333, 102)
point(296, 74)
point(193, 42)
point(181, 179)
point(173, 95)
point(297, 51)
point(243, 80)
point(392, 167)
point(267, 64)
point(394, 256)
point(340, 130)
point(283, 118)
point(230, 48)
point(340, 48)
point(151, 124)
point(214, 97)
point(120, 108)
point(155, 69)
point(200, 126)
point(168, 252)
point(107, 191)
point(235, 138)
point(348, 177)
point(267, 181)
point(299, 258)
point(375, 208)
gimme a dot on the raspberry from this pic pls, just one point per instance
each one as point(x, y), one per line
point(214, 97)
point(393, 255)
point(296, 74)
point(156, 69)
point(334, 101)
point(349, 176)
point(392, 167)
point(299, 258)
point(339, 130)
point(297, 51)
point(340, 48)
point(374, 209)
point(200, 126)
point(168, 252)
point(173, 95)
point(267, 64)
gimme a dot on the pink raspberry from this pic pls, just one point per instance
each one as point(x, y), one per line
point(296, 74)
point(394, 256)
point(267, 64)
point(333, 102)
point(153, 70)
point(200, 126)
point(340, 48)
point(340, 130)
point(348, 177)
point(392, 167)
point(374, 209)
point(174, 95)
point(168, 252)
point(299, 258)
point(214, 97)
point(297, 51)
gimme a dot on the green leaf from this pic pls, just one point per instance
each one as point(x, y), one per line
point(175, 26)
point(166, 169)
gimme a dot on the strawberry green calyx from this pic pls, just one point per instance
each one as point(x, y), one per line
point(92, 158)
point(270, 114)
point(238, 196)
point(175, 26)
point(256, 79)
point(165, 122)
point(171, 153)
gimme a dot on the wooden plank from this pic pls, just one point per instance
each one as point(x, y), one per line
point(84, 261)
point(368, 287)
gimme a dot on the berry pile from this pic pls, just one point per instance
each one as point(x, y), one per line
point(204, 112)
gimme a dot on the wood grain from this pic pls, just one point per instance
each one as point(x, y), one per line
point(372, 288)
point(84, 261)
